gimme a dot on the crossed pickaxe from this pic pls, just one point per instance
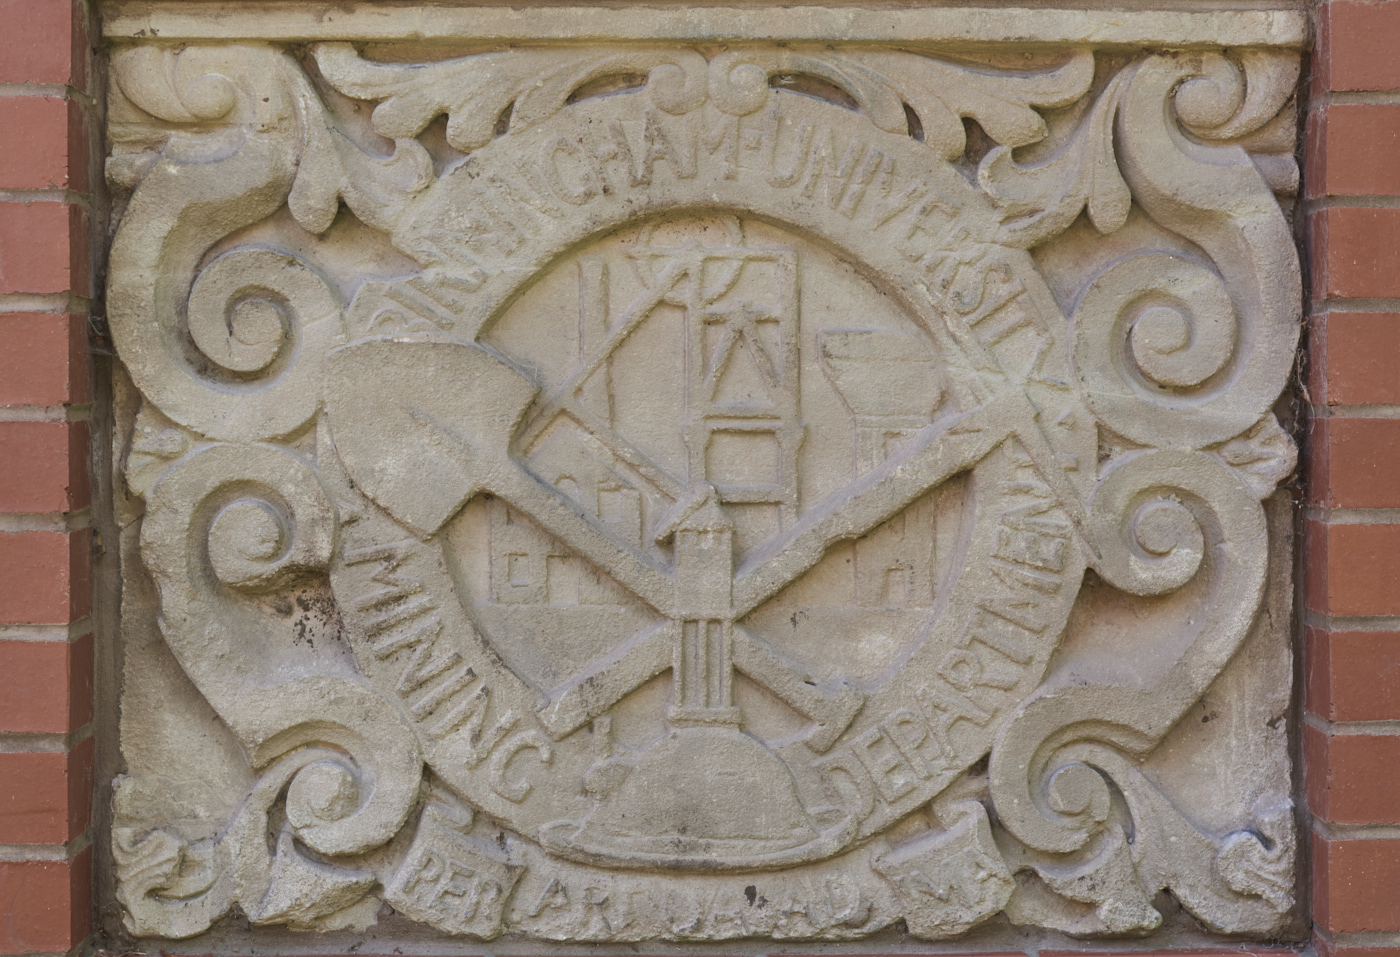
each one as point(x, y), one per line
point(423, 425)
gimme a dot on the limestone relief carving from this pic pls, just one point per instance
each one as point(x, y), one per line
point(607, 493)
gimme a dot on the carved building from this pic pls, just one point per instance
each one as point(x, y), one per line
point(727, 477)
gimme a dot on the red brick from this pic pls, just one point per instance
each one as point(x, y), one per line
point(1319, 879)
point(1314, 243)
point(45, 798)
point(80, 251)
point(44, 248)
point(81, 161)
point(45, 905)
point(1353, 357)
point(1355, 463)
point(1352, 778)
point(1353, 569)
point(1353, 150)
point(1356, 885)
point(34, 798)
point(37, 134)
point(39, 42)
point(43, 466)
point(45, 577)
point(44, 359)
point(1315, 157)
point(1315, 778)
point(80, 47)
point(45, 686)
point(1317, 672)
point(1315, 771)
point(1316, 462)
point(1355, 253)
point(1353, 675)
point(1356, 46)
point(1314, 545)
point(1328, 948)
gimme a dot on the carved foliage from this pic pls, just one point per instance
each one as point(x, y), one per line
point(279, 418)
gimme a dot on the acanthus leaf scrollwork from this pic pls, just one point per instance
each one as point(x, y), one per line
point(1167, 357)
point(1181, 355)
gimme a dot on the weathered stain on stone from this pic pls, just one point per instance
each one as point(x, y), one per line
point(694, 493)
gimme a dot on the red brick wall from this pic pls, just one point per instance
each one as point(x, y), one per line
point(1351, 730)
point(47, 170)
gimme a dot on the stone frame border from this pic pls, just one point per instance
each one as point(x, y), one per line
point(1352, 348)
point(1216, 198)
point(289, 20)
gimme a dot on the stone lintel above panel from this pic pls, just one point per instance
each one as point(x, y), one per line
point(1182, 25)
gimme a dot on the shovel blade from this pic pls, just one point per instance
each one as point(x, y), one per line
point(422, 425)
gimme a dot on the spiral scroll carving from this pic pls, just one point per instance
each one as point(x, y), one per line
point(340, 588)
point(1167, 850)
point(1214, 196)
point(240, 363)
point(1170, 352)
point(1158, 520)
point(1212, 97)
point(1154, 340)
point(737, 86)
point(179, 88)
point(236, 520)
point(1235, 96)
point(263, 318)
point(359, 800)
point(254, 518)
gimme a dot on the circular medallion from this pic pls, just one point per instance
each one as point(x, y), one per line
point(718, 482)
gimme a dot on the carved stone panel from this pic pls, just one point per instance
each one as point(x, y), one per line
point(693, 491)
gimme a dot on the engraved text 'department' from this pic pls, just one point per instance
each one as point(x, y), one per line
point(637, 490)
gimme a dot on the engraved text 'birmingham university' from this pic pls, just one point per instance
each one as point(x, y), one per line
point(613, 493)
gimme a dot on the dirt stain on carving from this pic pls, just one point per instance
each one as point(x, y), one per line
point(318, 615)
